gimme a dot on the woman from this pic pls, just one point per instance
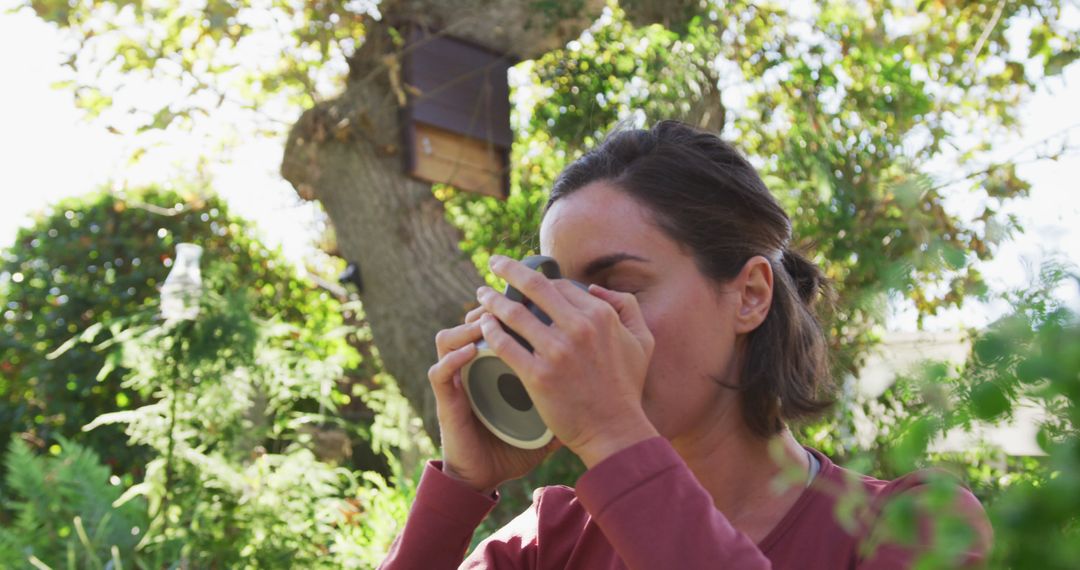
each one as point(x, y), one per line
point(673, 378)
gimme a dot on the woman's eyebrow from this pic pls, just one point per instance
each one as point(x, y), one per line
point(607, 261)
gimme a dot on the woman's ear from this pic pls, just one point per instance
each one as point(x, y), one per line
point(754, 284)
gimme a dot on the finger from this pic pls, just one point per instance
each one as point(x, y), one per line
point(505, 346)
point(628, 309)
point(576, 296)
point(441, 374)
point(474, 315)
point(516, 316)
point(534, 285)
point(451, 339)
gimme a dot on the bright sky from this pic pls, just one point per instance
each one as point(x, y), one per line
point(48, 152)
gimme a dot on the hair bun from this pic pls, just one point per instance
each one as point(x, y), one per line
point(809, 280)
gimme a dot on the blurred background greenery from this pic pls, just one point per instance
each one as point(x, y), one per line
point(286, 428)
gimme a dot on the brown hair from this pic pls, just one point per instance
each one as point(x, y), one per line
point(709, 199)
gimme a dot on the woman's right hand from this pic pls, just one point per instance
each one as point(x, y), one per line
point(471, 453)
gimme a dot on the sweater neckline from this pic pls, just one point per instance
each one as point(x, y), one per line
point(805, 498)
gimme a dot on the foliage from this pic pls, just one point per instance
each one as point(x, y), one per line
point(233, 476)
point(196, 46)
point(381, 507)
point(233, 479)
point(617, 71)
point(97, 259)
point(1033, 359)
point(1028, 359)
point(66, 512)
point(263, 367)
point(225, 388)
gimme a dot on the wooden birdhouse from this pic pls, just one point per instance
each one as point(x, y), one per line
point(457, 119)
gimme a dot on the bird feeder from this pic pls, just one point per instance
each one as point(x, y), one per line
point(457, 116)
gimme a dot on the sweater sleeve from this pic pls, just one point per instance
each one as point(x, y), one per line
point(512, 547)
point(441, 523)
point(653, 511)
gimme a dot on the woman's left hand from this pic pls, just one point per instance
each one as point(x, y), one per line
point(586, 373)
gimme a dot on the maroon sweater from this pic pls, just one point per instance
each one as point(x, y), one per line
point(643, 508)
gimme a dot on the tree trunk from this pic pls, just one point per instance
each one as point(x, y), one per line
point(347, 154)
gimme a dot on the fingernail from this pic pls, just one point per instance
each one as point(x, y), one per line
point(495, 260)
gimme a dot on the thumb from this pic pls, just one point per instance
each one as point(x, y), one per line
point(626, 305)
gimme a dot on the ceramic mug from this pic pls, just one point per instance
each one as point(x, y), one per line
point(495, 392)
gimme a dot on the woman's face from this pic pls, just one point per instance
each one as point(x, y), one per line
point(599, 234)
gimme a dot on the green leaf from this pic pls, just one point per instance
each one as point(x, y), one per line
point(111, 362)
point(87, 335)
point(954, 257)
point(1057, 63)
point(991, 347)
point(1034, 368)
point(988, 401)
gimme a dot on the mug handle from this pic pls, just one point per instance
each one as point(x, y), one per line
point(548, 266)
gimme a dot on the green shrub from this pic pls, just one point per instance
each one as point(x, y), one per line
point(231, 480)
point(99, 258)
point(65, 510)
